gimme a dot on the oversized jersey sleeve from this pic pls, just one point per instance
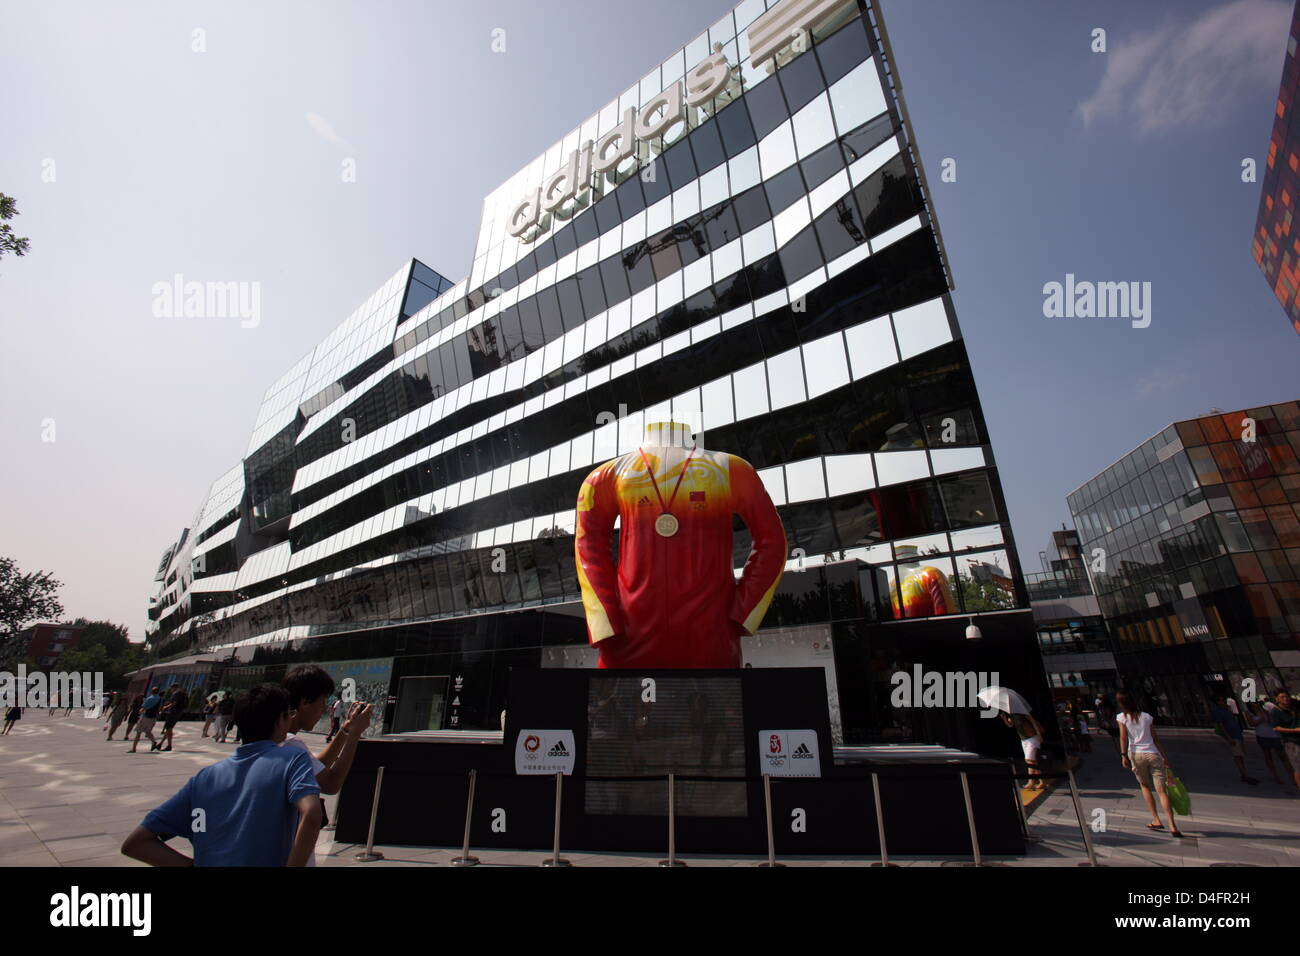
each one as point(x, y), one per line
point(767, 559)
point(597, 575)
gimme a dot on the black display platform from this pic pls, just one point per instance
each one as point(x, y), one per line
point(702, 724)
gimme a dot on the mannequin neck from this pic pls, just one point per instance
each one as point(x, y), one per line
point(668, 434)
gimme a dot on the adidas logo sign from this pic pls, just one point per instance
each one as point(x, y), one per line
point(559, 750)
point(802, 751)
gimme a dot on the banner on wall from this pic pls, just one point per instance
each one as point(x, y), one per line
point(366, 680)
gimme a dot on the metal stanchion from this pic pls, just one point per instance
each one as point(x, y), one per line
point(880, 822)
point(672, 827)
point(1083, 827)
point(465, 859)
point(1020, 811)
point(970, 820)
point(978, 859)
point(771, 836)
point(555, 859)
point(369, 854)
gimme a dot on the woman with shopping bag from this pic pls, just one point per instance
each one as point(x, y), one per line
point(1145, 756)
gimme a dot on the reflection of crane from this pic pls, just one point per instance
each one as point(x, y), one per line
point(691, 230)
point(844, 213)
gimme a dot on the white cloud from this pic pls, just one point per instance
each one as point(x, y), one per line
point(1191, 74)
point(325, 131)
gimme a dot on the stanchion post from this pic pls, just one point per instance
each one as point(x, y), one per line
point(880, 822)
point(465, 859)
point(771, 835)
point(1020, 812)
point(970, 820)
point(672, 825)
point(1083, 827)
point(555, 859)
point(369, 854)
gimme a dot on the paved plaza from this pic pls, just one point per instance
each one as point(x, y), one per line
point(68, 798)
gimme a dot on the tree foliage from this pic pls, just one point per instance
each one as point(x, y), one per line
point(8, 241)
point(985, 595)
point(26, 598)
point(114, 638)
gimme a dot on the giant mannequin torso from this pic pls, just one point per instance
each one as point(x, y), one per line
point(673, 600)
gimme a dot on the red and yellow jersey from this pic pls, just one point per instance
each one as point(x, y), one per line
point(924, 593)
point(674, 601)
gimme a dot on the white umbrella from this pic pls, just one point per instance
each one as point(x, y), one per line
point(1004, 699)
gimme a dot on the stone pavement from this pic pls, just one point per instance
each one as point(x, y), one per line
point(68, 798)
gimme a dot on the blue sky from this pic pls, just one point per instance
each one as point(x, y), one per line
point(225, 165)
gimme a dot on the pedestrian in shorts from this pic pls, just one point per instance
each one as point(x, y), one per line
point(1229, 728)
point(149, 709)
point(1285, 718)
point(1145, 756)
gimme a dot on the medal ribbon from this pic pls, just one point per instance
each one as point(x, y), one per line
point(655, 484)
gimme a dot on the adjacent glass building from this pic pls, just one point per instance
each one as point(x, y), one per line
point(1192, 542)
point(1276, 245)
point(1072, 633)
point(761, 263)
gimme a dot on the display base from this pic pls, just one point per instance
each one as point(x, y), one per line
point(424, 793)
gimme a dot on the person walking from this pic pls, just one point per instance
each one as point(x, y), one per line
point(1269, 740)
point(225, 710)
point(1106, 719)
point(173, 710)
point(336, 716)
point(149, 708)
point(1145, 756)
point(12, 716)
point(1285, 717)
point(209, 713)
point(1085, 732)
point(133, 714)
point(1031, 742)
point(1228, 726)
point(121, 706)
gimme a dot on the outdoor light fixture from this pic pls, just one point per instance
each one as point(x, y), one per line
point(973, 633)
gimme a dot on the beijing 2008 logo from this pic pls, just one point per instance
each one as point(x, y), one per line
point(774, 744)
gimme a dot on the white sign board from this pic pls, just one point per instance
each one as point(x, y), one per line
point(544, 752)
point(789, 753)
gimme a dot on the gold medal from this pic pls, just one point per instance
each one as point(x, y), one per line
point(666, 525)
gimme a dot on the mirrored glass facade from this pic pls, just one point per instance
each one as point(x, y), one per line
point(1276, 244)
point(1192, 542)
point(766, 269)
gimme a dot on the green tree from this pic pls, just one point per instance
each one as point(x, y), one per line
point(8, 241)
point(114, 638)
point(985, 595)
point(96, 658)
point(26, 598)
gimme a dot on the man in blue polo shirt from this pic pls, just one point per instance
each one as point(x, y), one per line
point(260, 807)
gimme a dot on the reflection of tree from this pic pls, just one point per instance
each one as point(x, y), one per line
point(984, 595)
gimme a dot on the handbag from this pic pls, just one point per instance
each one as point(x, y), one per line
point(1179, 798)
